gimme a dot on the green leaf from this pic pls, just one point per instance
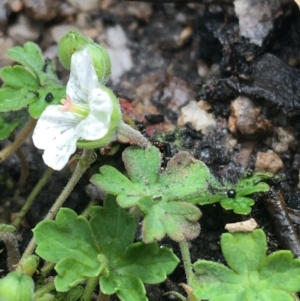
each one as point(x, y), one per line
point(36, 108)
point(145, 261)
point(251, 249)
point(253, 275)
point(12, 99)
point(18, 77)
point(102, 247)
point(178, 220)
point(69, 242)
point(142, 173)
point(253, 184)
point(126, 287)
point(239, 204)
point(30, 56)
point(163, 197)
point(129, 264)
point(118, 226)
point(119, 186)
point(166, 197)
point(6, 128)
point(30, 82)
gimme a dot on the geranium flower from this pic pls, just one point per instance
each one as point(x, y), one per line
point(85, 114)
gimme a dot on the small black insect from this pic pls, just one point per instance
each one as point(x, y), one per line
point(231, 193)
point(49, 97)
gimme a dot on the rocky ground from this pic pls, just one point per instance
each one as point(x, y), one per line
point(226, 74)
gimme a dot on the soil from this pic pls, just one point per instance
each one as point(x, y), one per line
point(173, 53)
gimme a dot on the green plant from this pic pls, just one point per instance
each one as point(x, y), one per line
point(98, 248)
point(102, 247)
point(252, 275)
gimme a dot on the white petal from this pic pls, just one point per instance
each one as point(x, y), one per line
point(83, 77)
point(97, 123)
point(58, 152)
point(52, 124)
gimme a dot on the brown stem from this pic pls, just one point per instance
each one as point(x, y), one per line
point(285, 229)
point(24, 167)
point(12, 249)
point(11, 148)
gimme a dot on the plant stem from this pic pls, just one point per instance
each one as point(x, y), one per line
point(47, 268)
point(11, 148)
point(12, 249)
point(44, 290)
point(186, 258)
point(127, 134)
point(89, 289)
point(82, 165)
point(24, 167)
point(36, 190)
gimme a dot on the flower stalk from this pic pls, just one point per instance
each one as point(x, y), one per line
point(82, 165)
point(21, 137)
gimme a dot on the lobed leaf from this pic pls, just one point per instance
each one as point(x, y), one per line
point(178, 220)
point(250, 247)
point(126, 287)
point(18, 77)
point(142, 165)
point(239, 204)
point(69, 242)
point(115, 183)
point(145, 261)
point(30, 56)
point(254, 276)
point(12, 99)
point(113, 228)
point(129, 264)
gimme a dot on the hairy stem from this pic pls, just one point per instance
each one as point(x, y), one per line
point(36, 190)
point(127, 134)
point(12, 249)
point(11, 148)
point(186, 258)
point(89, 289)
point(82, 165)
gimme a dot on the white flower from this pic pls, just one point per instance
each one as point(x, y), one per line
point(84, 114)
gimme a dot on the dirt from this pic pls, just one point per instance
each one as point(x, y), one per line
point(175, 53)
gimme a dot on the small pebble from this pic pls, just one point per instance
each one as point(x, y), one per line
point(199, 118)
point(85, 5)
point(268, 162)
point(283, 137)
point(246, 119)
point(245, 226)
point(23, 30)
point(120, 55)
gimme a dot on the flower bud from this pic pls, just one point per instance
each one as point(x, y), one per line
point(16, 286)
point(30, 264)
point(74, 41)
point(70, 43)
point(101, 61)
